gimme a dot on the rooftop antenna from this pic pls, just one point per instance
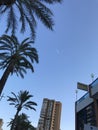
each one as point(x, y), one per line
point(92, 76)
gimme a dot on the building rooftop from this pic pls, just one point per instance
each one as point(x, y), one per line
point(93, 84)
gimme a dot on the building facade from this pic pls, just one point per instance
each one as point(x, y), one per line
point(50, 115)
point(86, 108)
point(1, 123)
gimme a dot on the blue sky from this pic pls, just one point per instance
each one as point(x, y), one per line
point(67, 55)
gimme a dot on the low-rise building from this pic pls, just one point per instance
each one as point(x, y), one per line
point(86, 108)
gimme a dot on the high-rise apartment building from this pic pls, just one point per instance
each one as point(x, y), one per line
point(86, 108)
point(50, 115)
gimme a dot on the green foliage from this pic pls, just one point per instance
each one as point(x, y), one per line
point(25, 12)
point(20, 101)
point(22, 123)
point(20, 56)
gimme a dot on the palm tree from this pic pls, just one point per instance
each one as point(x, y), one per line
point(26, 12)
point(22, 123)
point(16, 57)
point(20, 101)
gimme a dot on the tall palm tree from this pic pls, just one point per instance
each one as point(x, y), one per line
point(22, 123)
point(20, 101)
point(16, 57)
point(26, 12)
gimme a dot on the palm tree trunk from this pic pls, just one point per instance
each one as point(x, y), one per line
point(15, 119)
point(7, 2)
point(5, 77)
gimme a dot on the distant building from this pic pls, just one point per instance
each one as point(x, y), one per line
point(50, 115)
point(1, 123)
point(86, 108)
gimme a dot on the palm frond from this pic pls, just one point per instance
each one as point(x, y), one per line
point(43, 13)
point(12, 21)
point(30, 105)
point(27, 11)
point(25, 41)
point(21, 55)
point(22, 16)
point(13, 100)
point(4, 9)
point(32, 28)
